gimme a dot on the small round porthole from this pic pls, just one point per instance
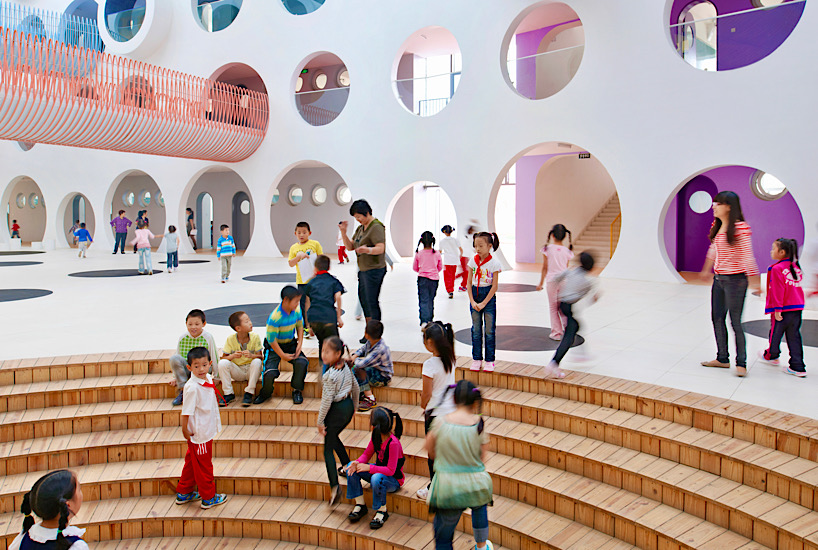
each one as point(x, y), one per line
point(160, 199)
point(20, 200)
point(319, 195)
point(244, 207)
point(145, 198)
point(700, 202)
point(33, 200)
point(766, 186)
point(295, 195)
point(299, 84)
point(128, 198)
point(343, 195)
point(319, 82)
point(276, 196)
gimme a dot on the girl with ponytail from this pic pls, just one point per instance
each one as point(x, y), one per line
point(555, 260)
point(459, 443)
point(483, 282)
point(428, 264)
point(785, 304)
point(386, 475)
point(55, 498)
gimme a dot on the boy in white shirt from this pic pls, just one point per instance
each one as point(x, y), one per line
point(200, 424)
point(452, 252)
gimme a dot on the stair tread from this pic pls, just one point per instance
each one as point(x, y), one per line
point(200, 543)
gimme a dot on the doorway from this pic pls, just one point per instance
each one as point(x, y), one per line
point(204, 220)
point(241, 220)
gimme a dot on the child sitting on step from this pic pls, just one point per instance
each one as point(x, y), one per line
point(241, 358)
point(194, 336)
point(55, 498)
point(373, 364)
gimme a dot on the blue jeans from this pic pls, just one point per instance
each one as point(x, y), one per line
point(119, 242)
point(144, 260)
point(427, 290)
point(381, 485)
point(483, 320)
point(446, 521)
point(173, 259)
point(369, 291)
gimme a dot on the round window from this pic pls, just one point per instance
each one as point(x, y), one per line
point(302, 7)
point(700, 202)
point(160, 199)
point(343, 195)
point(145, 197)
point(343, 78)
point(766, 186)
point(295, 195)
point(33, 200)
point(299, 84)
point(128, 198)
point(319, 82)
point(245, 206)
point(124, 18)
point(20, 200)
point(215, 15)
point(319, 195)
point(276, 196)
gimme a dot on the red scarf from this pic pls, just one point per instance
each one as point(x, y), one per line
point(479, 265)
point(320, 273)
point(218, 394)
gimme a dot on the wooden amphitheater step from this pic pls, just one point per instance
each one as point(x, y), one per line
point(201, 543)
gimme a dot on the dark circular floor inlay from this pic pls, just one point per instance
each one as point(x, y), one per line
point(110, 273)
point(18, 264)
point(519, 338)
point(14, 294)
point(20, 252)
point(761, 328)
point(190, 262)
point(515, 287)
point(258, 313)
point(272, 278)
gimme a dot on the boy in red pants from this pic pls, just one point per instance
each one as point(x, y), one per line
point(342, 249)
point(200, 424)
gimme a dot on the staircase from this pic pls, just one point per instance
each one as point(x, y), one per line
point(596, 237)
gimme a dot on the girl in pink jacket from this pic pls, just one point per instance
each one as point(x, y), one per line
point(785, 302)
point(142, 242)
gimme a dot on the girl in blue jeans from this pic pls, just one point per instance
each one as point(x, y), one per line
point(386, 475)
point(482, 283)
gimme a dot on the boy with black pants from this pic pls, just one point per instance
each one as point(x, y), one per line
point(324, 303)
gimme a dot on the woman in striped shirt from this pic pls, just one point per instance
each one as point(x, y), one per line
point(731, 258)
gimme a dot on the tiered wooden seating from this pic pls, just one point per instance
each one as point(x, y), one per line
point(584, 462)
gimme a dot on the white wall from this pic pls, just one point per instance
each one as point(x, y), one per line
point(31, 220)
point(155, 212)
point(222, 186)
point(401, 224)
point(623, 106)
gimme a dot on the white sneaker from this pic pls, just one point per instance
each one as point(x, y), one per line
point(774, 362)
point(475, 365)
point(488, 366)
point(553, 370)
point(422, 493)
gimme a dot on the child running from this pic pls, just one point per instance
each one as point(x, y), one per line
point(15, 229)
point(339, 399)
point(785, 304)
point(452, 252)
point(483, 280)
point(572, 286)
point(200, 423)
point(172, 248)
point(83, 239)
point(55, 498)
point(142, 245)
point(555, 260)
point(225, 250)
point(428, 264)
point(386, 475)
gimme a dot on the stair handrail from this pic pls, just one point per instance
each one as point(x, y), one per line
point(619, 219)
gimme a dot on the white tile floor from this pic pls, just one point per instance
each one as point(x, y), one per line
point(651, 332)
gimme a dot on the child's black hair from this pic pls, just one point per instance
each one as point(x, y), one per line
point(76, 221)
point(223, 226)
point(442, 336)
point(235, 319)
point(491, 238)
point(322, 262)
point(383, 421)
point(467, 394)
point(141, 224)
point(336, 344)
point(48, 499)
point(82, 225)
point(199, 352)
point(13, 221)
point(730, 199)
point(303, 224)
point(790, 248)
point(289, 292)
point(197, 313)
point(427, 239)
point(374, 329)
point(171, 229)
point(586, 261)
point(559, 232)
point(122, 212)
point(447, 229)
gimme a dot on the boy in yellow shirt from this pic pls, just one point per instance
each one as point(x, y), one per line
point(241, 358)
point(303, 249)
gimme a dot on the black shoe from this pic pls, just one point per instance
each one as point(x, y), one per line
point(260, 399)
point(341, 471)
point(248, 399)
point(229, 398)
point(379, 519)
point(297, 397)
point(362, 340)
point(357, 513)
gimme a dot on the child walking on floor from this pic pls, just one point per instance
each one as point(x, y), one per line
point(555, 261)
point(785, 304)
point(55, 498)
point(172, 248)
point(572, 286)
point(200, 424)
point(83, 240)
point(428, 264)
point(142, 244)
point(452, 252)
point(15, 229)
point(342, 249)
point(483, 281)
point(339, 400)
point(225, 250)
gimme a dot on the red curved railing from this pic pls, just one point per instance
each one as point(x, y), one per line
point(60, 94)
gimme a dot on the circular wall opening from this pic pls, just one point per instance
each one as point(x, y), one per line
point(234, 105)
point(544, 49)
point(426, 72)
point(219, 196)
point(686, 229)
point(26, 205)
point(134, 192)
point(418, 207)
point(766, 186)
point(26, 145)
point(295, 195)
point(81, 29)
point(216, 15)
point(33, 200)
point(276, 197)
point(124, 18)
point(20, 200)
point(302, 7)
point(720, 35)
point(321, 88)
point(343, 195)
point(319, 195)
point(700, 202)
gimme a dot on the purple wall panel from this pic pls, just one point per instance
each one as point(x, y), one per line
point(528, 43)
point(691, 250)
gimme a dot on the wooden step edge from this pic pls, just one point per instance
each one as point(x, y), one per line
point(200, 543)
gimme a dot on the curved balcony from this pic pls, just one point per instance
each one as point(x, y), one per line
point(55, 93)
point(62, 27)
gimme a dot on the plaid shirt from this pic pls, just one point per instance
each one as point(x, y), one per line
point(188, 342)
point(376, 356)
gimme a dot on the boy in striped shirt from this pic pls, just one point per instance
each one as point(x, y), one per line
point(285, 335)
point(225, 250)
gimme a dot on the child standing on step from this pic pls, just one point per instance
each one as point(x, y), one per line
point(200, 424)
point(555, 260)
point(483, 281)
point(339, 399)
point(785, 304)
point(55, 498)
point(452, 252)
point(225, 250)
point(142, 245)
point(427, 264)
